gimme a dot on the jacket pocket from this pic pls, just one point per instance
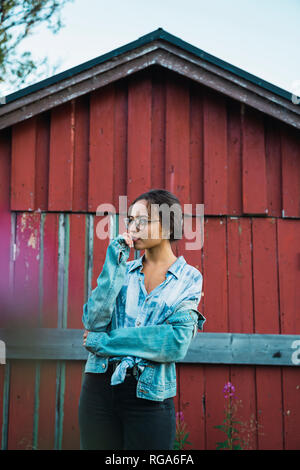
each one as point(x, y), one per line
point(147, 375)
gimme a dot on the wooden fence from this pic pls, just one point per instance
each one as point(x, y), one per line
point(54, 262)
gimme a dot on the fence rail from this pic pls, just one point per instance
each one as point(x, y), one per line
point(206, 348)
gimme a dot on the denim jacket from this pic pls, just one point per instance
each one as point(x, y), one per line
point(157, 346)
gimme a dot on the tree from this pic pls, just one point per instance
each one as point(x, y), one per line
point(17, 20)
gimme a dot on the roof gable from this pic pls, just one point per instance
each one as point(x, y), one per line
point(156, 48)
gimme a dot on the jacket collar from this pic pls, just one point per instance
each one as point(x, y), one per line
point(175, 268)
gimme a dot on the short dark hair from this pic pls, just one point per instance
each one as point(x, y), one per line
point(162, 196)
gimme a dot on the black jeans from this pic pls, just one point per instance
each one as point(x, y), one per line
point(112, 417)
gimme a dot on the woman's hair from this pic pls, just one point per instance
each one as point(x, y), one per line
point(162, 197)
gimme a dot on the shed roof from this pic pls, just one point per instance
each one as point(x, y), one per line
point(156, 48)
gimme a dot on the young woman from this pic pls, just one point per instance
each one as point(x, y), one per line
point(138, 322)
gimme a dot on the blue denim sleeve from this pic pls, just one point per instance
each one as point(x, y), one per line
point(168, 342)
point(97, 311)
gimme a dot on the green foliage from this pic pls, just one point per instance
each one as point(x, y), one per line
point(233, 429)
point(232, 442)
point(181, 433)
point(18, 18)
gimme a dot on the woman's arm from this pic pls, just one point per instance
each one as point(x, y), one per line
point(97, 312)
point(168, 342)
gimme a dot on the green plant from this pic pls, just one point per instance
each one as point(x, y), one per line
point(241, 435)
point(233, 441)
point(181, 434)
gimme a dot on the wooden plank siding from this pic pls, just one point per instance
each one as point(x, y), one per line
point(154, 129)
point(179, 120)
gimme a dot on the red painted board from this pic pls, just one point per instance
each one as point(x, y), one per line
point(177, 166)
point(192, 403)
point(77, 272)
point(47, 386)
point(5, 245)
point(101, 157)
point(239, 259)
point(273, 166)
point(291, 407)
point(265, 276)
point(42, 161)
point(23, 169)
point(243, 378)
point(25, 314)
point(289, 280)
point(76, 292)
point(158, 130)
point(215, 275)
point(290, 162)
point(5, 224)
point(266, 307)
point(215, 153)
point(216, 376)
point(139, 136)
point(234, 160)
point(196, 147)
point(241, 320)
point(2, 384)
point(120, 144)
point(61, 163)
point(177, 397)
point(50, 271)
point(5, 168)
point(254, 163)
point(269, 408)
point(192, 375)
point(288, 234)
point(21, 405)
point(25, 308)
point(81, 154)
point(73, 379)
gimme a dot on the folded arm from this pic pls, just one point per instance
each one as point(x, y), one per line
point(97, 311)
point(168, 342)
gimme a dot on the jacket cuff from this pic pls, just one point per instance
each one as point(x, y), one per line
point(122, 246)
point(92, 341)
point(201, 320)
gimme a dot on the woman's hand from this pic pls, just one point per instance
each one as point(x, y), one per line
point(86, 332)
point(128, 239)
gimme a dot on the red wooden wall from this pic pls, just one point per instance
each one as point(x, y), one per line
point(152, 130)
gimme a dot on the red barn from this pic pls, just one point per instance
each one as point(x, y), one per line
point(154, 113)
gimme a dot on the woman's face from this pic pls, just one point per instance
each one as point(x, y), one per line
point(147, 234)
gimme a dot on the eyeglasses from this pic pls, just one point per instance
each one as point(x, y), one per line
point(140, 222)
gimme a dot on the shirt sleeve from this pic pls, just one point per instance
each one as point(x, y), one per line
point(191, 289)
point(97, 311)
point(191, 297)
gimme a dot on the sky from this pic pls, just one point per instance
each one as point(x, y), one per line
point(261, 37)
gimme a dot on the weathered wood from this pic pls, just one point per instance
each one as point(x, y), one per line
point(139, 136)
point(254, 178)
point(177, 175)
point(215, 169)
point(101, 148)
point(236, 348)
point(61, 182)
point(206, 348)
